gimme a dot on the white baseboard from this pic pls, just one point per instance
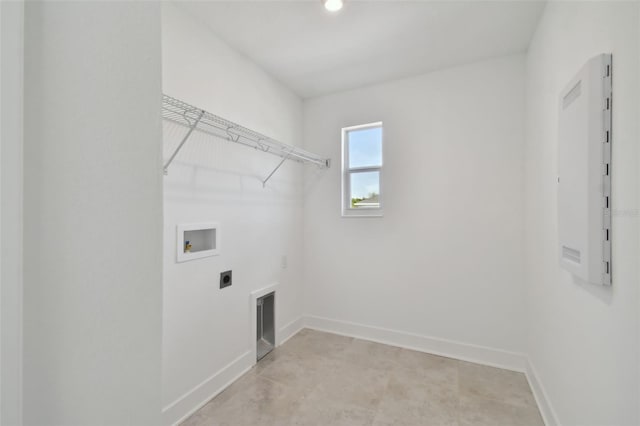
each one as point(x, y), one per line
point(463, 351)
point(197, 397)
point(542, 399)
point(193, 400)
point(288, 331)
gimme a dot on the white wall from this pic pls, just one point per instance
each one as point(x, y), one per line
point(446, 259)
point(207, 331)
point(583, 339)
point(92, 221)
point(11, 106)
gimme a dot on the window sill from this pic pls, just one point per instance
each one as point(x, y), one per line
point(362, 213)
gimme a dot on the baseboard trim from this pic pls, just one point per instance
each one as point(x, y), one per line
point(196, 398)
point(499, 358)
point(463, 351)
point(190, 402)
point(288, 331)
point(183, 407)
point(547, 412)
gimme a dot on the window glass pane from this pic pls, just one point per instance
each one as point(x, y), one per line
point(365, 147)
point(365, 190)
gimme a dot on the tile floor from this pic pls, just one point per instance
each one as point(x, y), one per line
point(324, 379)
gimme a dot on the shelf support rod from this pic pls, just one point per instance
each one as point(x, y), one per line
point(184, 139)
point(285, 158)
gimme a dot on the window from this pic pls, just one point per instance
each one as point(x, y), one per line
point(362, 170)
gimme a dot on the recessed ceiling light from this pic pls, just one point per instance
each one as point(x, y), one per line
point(333, 5)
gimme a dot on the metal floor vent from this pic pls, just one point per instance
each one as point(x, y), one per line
point(266, 336)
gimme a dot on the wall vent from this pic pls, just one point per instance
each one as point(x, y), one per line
point(571, 254)
point(265, 325)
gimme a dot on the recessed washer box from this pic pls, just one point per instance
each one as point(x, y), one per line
point(197, 240)
point(584, 173)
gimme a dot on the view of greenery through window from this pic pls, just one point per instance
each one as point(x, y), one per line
point(357, 202)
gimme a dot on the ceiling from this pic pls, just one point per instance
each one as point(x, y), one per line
point(315, 52)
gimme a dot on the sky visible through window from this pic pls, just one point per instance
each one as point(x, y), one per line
point(365, 147)
point(365, 184)
point(365, 150)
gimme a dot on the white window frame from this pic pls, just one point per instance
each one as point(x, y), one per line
point(347, 210)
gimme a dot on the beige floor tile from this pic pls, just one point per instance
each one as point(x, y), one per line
point(295, 345)
point(371, 354)
point(325, 344)
point(415, 359)
point(307, 332)
point(293, 370)
point(319, 378)
point(487, 412)
point(354, 384)
point(411, 413)
point(403, 386)
point(261, 402)
point(428, 369)
point(494, 383)
point(317, 410)
point(206, 414)
point(414, 396)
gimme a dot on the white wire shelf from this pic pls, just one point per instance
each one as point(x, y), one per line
point(196, 119)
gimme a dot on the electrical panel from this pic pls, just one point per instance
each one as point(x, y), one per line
point(584, 173)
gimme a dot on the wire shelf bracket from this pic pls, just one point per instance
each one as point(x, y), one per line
point(196, 119)
point(192, 127)
point(264, 182)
